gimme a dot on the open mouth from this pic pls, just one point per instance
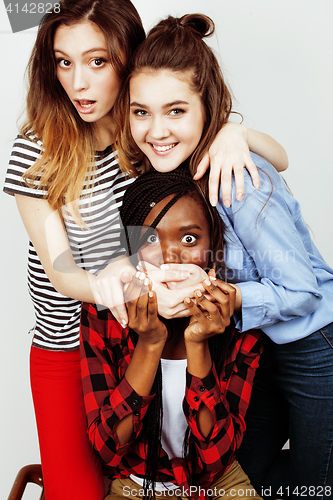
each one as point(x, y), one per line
point(163, 149)
point(85, 103)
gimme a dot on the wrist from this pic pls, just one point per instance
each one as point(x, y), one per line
point(194, 348)
point(245, 132)
point(199, 362)
point(238, 300)
point(152, 345)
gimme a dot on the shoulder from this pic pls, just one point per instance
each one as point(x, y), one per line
point(273, 191)
point(25, 152)
point(270, 179)
point(28, 143)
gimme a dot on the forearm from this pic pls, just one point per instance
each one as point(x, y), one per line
point(140, 374)
point(266, 303)
point(73, 282)
point(264, 145)
point(49, 238)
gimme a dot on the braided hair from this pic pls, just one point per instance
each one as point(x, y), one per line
point(149, 189)
point(141, 196)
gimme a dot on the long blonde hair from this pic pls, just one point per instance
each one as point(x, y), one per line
point(67, 160)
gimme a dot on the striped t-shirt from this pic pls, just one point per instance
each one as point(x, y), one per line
point(58, 317)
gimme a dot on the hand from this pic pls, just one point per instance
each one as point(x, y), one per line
point(167, 274)
point(107, 287)
point(228, 154)
point(184, 279)
point(141, 304)
point(175, 275)
point(208, 318)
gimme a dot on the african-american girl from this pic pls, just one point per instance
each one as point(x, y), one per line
point(166, 399)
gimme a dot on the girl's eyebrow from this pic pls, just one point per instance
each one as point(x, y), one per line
point(174, 103)
point(167, 105)
point(190, 226)
point(95, 49)
point(138, 105)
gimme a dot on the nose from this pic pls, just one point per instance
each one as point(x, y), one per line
point(171, 254)
point(80, 81)
point(158, 129)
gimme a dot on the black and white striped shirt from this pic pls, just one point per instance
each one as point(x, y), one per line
point(57, 316)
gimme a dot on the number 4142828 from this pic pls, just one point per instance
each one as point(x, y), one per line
point(34, 8)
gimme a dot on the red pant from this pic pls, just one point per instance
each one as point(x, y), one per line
point(70, 469)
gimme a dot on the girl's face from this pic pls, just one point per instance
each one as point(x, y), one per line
point(182, 235)
point(166, 117)
point(84, 71)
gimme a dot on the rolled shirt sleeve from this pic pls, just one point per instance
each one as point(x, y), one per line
point(227, 396)
point(108, 396)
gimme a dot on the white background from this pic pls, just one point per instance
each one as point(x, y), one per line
point(277, 58)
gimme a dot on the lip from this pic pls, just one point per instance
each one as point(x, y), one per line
point(82, 109)
point(171, 146)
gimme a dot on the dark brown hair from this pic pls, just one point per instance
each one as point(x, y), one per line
point(178, 45)
point(68, 141)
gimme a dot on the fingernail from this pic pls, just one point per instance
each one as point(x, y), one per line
point(240, 196)
point(212, 278)
point(213, 202)
point(257, 185)
point(137, 274)
point(146, 282)
point(151, 295)
point(187, 300)
point(207, 282)
point(164, 267)
point(142, 276)
point(123, 323)
point(198, 293)
point(227, 203)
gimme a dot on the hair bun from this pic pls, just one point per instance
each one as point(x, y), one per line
point(201, 24)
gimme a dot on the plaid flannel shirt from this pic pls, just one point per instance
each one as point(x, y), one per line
point(106, 351)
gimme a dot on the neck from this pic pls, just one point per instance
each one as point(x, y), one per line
point(175, 346)
point(104, 133)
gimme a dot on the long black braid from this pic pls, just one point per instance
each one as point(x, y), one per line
point(146, 191)
point(149, 189)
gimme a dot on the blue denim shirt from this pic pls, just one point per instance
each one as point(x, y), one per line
point(287, 287)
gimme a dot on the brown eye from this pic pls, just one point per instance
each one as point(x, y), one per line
point(98, 62)
point(63, 63)
point(153, 238)
point(189, 239)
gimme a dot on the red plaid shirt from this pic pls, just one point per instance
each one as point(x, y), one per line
point(106, 351)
